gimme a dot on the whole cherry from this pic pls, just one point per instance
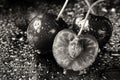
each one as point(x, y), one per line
point(98, 26)
point(43, 28)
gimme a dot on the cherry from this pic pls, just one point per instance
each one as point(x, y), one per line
point(72, 52)
point(98, 26)
point(43, 28)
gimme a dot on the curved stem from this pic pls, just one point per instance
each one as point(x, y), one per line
point(61, 11)
point(88, 4)
point(88, 12)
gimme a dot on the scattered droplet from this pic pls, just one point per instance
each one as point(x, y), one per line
point(104, 10)
point(113, 10)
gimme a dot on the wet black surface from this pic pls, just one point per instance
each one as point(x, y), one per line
point(20, 61)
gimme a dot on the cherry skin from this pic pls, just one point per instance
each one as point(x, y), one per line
point(42, 30)
point(72, 52)
point(98, 26)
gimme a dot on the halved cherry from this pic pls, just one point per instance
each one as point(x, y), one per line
point(74, 53)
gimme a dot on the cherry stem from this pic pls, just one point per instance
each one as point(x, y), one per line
point(61, 11)
point(88, 4)
point(88, 12)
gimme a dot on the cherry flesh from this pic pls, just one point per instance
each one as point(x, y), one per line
point(72, 52)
